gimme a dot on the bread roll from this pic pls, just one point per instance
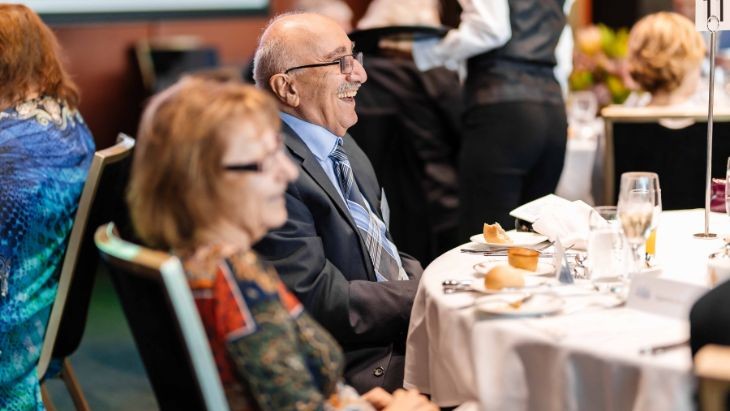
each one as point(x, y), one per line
point(504, 276)
point(493, 233)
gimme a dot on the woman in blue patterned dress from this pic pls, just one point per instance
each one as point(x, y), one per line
point(45, 152)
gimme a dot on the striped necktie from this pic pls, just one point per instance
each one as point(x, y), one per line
point(383, 252)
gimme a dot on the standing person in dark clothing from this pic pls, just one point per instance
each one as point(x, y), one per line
point(415, 146)
point(515, 126)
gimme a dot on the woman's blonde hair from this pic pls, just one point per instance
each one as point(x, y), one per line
point(176, 184)
point(663, 48)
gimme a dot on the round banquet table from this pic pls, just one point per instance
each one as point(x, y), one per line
point(585, 357)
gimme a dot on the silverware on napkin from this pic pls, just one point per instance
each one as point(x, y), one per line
point(658, 349)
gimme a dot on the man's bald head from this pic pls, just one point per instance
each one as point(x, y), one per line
point(286, 41)
point(308, 63)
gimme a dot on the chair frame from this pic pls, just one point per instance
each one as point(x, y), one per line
point(110, 155)
point(621, 114)
point(169, 268)
point(712, 367)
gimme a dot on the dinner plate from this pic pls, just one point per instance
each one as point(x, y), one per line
point(531, 282)
point(543, 267)
point(519, 239)
point(539, 304)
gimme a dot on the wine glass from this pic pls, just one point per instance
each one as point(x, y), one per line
point(642, 180)
point(636, 212)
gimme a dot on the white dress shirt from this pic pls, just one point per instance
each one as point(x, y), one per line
point(484, 26)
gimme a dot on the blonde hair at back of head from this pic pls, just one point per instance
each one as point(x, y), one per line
point(382, 13)
point(663, 48)
point(176, 187)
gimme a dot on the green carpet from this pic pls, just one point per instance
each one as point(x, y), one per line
point(107, 363)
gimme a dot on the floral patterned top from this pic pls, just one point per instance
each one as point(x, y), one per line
point(45, 153)
point(270, 354)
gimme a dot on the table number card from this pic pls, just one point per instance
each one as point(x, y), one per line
point(704, 9)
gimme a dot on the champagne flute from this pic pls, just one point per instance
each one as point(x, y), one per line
point(636, 212)
point(641, 180)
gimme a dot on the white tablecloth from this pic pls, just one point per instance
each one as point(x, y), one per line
point(576, 179)
point(583, 359)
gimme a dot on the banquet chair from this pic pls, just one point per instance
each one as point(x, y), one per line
point(99, 202)
point(712, 367)
point(638, 139)
point(162, 61)
point(165, 324)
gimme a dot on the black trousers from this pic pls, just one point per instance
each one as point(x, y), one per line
point(511, 153)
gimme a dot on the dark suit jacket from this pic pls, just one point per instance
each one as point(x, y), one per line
point(322, 259)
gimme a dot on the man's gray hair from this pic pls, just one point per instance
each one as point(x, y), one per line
point(272, 56)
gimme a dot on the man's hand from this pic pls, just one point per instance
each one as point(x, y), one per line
point(401, 400)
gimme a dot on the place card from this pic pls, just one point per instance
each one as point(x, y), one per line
point(661, 296)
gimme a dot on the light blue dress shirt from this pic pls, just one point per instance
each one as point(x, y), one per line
point(320, 141)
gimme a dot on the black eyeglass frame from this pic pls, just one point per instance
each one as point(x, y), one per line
point(258, 166)
point(253, 167)
point(341, 61)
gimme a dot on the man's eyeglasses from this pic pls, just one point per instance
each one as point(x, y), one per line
point(346, 63)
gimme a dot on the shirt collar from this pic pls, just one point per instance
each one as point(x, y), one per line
point(320, 141)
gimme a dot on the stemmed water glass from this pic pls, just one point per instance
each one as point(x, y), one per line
point(636, 212)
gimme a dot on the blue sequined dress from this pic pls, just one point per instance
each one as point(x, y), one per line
point(45, 153)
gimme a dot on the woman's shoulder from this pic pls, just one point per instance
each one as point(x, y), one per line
point(205, 263)
point(47, 126)
point(44, 111)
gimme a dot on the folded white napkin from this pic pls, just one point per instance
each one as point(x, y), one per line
point(567, 222)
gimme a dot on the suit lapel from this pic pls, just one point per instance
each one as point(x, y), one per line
point(311, 166)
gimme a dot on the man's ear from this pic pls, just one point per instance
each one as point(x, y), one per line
point(284, 90)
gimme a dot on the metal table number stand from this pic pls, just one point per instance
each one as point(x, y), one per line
point(707, 19)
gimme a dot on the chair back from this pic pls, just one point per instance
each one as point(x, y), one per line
point(101, 201)
point(712, 368)
point(165, 323)
point(163, 60)
point(636, 140)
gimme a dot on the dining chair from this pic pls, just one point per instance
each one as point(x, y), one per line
point(712, 367)
point(654, 139)
point(163, 60)
point(99, 202)
point(164, 320)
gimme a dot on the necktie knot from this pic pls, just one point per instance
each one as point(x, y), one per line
point(338, 153)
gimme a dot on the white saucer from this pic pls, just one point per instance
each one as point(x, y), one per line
point(539, 304)
point(519, 239)
point(543, 267)
point(531, 282)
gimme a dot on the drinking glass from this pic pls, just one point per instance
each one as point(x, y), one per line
point(607, 249)
point(636, 212)
point(582, 109)
point(641, 180)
